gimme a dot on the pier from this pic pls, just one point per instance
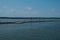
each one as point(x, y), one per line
point(22, 22)
point(28, 20)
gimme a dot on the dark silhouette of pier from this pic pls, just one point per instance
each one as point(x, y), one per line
point(31, 20)
point(22, 22)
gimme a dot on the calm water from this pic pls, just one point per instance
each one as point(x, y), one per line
point(30, 31)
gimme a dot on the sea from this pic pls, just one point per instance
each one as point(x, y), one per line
point(29, 31)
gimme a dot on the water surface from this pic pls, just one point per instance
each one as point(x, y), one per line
point(30, 31)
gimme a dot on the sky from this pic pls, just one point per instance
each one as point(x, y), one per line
point(29, 8)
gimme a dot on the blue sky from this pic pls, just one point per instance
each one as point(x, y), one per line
point(29, 8)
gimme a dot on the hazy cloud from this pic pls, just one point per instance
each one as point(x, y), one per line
point(53, 10)
point(27, 11)
point(29, 8)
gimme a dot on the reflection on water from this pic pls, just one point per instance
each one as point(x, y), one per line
point(30, 31)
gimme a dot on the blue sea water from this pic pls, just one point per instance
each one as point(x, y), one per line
point(30, 31)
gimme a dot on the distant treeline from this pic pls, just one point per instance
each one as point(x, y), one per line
point(29, 17)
